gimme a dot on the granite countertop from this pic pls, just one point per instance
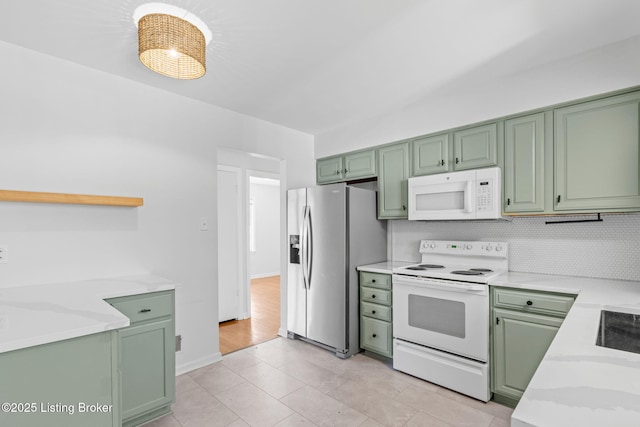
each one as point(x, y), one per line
point(40, 314)
point(577, 382)
point(385, 267)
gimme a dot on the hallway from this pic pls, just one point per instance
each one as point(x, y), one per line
point(264, 321)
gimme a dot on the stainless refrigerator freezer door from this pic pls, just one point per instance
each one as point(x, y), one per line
point(327, 292)
point(296, 292)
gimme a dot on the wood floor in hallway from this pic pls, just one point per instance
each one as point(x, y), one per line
point(264, 322)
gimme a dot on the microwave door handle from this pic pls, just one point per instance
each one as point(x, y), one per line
point(469, 197)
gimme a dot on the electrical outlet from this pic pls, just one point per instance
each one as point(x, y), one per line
point(204, 224)
point(178, 343)
point(4, 254)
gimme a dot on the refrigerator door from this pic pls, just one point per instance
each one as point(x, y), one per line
point(296, 292)
point(327, 312)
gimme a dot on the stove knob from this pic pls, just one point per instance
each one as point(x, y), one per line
point(498, 248)
point(468, 246)
point(489, 248)
point(433, 246)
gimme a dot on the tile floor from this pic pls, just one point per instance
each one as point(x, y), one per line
point(284, 382)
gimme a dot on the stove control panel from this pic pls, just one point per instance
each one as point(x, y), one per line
point(495, 249)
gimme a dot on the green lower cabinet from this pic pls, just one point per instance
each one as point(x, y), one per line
point(66, 383)
point(520, 342)
point(376, 327)
point(147, 353)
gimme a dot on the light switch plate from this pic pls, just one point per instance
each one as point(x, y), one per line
point(4, 254)
point(204, 224)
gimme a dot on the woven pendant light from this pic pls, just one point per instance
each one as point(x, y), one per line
point(171, 46)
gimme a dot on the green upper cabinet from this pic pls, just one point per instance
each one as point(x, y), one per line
point(430, 155)
point(475, 147)
point(393, 173)
point(596, 155)
point(351, 166)
point(524, 164)
point(329, 170)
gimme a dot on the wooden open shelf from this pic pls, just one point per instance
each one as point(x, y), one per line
point(78, 199)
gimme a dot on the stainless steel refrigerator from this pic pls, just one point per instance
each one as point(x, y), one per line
point(332, 229)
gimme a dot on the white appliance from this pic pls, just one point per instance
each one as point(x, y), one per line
point(441, 314)
point(332, 229)
point(472, 194)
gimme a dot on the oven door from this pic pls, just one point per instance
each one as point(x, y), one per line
point(442, 314)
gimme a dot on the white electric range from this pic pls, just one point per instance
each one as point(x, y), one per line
point(441, 314)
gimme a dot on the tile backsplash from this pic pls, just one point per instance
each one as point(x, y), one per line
point(607, 249)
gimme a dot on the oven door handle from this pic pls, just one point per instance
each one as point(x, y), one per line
point(460, 287)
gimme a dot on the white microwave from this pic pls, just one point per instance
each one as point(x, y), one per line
point(471, 194)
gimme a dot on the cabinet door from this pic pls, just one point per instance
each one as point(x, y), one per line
point(430, 155)
point(360, 165)
point(596, 155)
point(393, 173)
point(475, 147)
point(66, 373)
point(520, 341)
point(376, 336)
point(524, 164)
point(148, 368)
point(329, 170)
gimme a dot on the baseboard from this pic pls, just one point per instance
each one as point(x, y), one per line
point(282, 332)
point(199, 363)
point(261, 275)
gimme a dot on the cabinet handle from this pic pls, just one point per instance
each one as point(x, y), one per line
point(373, 296)
point(337, 172)
point(373, 312)
point(457, 160)
point(441, 162)
point(373, 280)
point(558, 199)
point(404, 208)
point(508, 202)
point(145, 310)
point(345, 171)
point(374, 335)
point(497, 320)
point(529, 302)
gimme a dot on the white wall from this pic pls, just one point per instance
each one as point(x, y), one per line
point(265, 261)
point(608, 249)
point(68, 128)
point(469, 99)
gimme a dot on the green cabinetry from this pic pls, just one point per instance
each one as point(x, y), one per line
point(475, 147)
point(597, 155)
point(65, 383)
point(147, 350)
point(351, 166)
point(393, 173)
point(430, 155)
point(376, 331)
point(524, 323)
point(524, 164)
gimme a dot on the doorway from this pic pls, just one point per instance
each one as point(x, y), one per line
point(257, 310)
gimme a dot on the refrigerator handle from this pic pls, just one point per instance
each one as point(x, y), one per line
point(309, 248)
point(303, 246)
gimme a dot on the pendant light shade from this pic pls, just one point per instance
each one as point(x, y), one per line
point(171, 46)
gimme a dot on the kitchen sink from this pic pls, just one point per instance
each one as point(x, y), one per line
point(620, 331)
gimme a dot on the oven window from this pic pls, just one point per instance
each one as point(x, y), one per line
point(437, 315)
point(447, 201)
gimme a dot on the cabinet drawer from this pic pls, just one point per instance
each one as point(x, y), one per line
point(375, 280)
point(376, 336)
point(377, 296)
point(381, 312)
point(532, 301)
point(143, 307)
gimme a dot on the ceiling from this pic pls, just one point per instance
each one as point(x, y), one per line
point(318, 65)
